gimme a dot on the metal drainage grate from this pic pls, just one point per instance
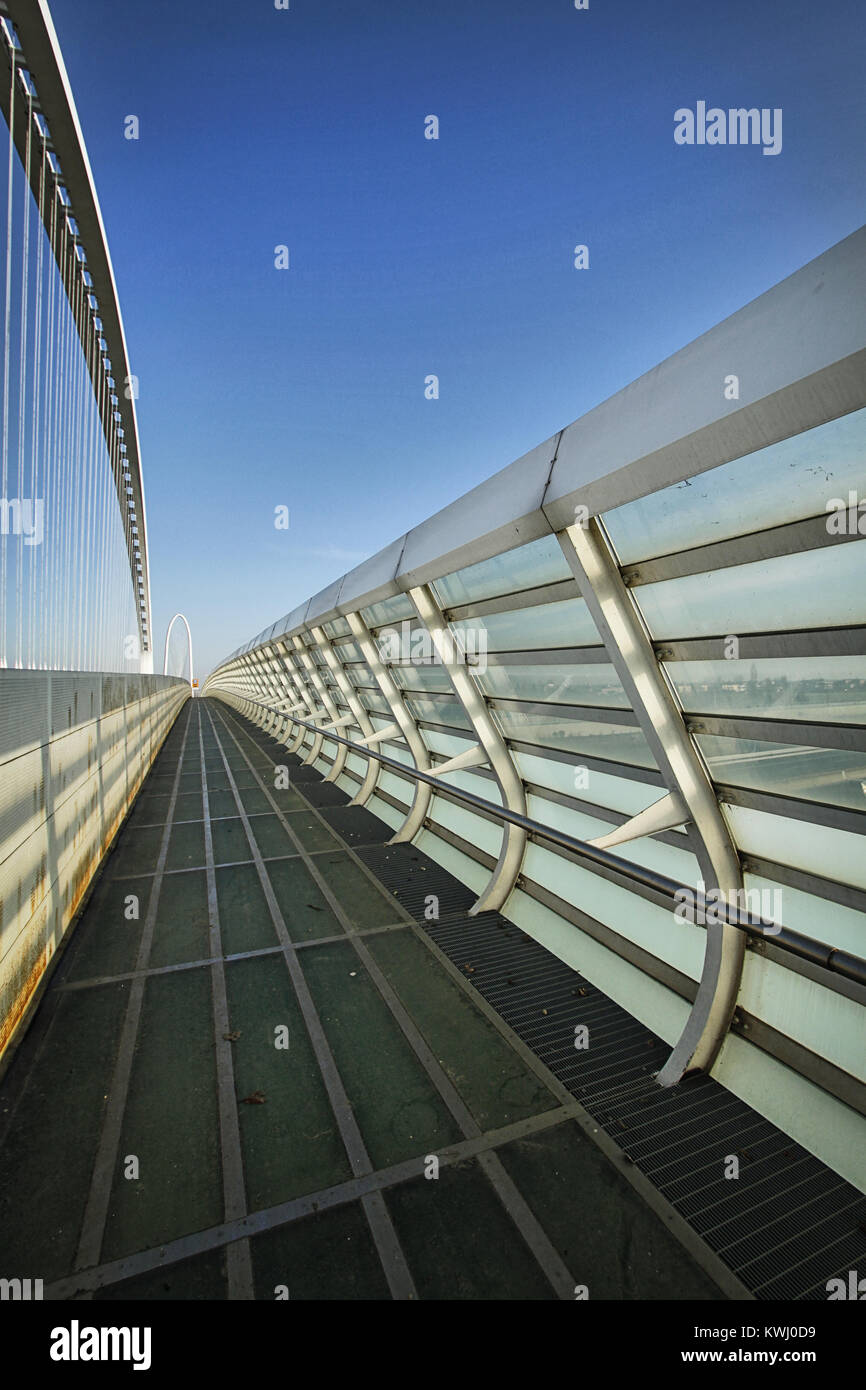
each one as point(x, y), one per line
point(411, 877)
point(356, 824)
point(786, 1226)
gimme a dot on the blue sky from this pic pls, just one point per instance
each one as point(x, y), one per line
point(410, 257)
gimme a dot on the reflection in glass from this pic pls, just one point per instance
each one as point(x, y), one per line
point(566, 623)
point(373, 700)
point(830, 688)
point(348, 651)
point(829, 775)
point(449, 712)
point(565, 685)
point(359, 674)
point(613, 742)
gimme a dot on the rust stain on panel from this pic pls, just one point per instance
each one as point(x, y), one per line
point(23, 997)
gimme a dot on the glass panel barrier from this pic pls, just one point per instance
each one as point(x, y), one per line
point(817, 588)
point(565, 623)
point(613, 742)
point(577, 685)
point(829, 775)
point(389, 610)
point(828, 688)
point(540, 562)
point(784, 482)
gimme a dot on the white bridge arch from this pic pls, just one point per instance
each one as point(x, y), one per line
point(189, 647)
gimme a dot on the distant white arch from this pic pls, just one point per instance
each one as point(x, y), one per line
point(189, 646)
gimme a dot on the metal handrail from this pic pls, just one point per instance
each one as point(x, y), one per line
point(831, 958)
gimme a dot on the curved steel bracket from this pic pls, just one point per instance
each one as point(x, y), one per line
point(361, 717)
point(296, 687)
point(593, 564)
point(408, 728)
point(315, 714)
point(513, 843)
point(324, 695)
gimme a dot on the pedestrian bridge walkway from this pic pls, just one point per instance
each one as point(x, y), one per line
point(277, 1078)
point(283, 1080)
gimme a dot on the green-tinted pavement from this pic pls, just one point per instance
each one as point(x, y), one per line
point(252, 1076)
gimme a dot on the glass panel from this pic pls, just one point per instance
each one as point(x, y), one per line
point(540, 562)
point(348, 651)
point(449, 745)
point(566, 623)
point(587, 784)
point(397, 641)
point(391, 746)
point(371, 699)
point(389, 610)
point(564, 685)
point(815, 849)
point(831, 688)
point(484, 787)
point(784, 482)
point(338, 627)
point(476, 830)
point(361, 675)
point(649, 925)
point(830, 775)
point(842, 927)
point(421, 678)
point(614, 742)
point(449, 712)
point(818, 588)
point(395, 786)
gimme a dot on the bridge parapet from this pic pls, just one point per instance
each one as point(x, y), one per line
point(74, 751)
point(660, 630)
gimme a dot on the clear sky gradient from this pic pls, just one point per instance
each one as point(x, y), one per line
point(305, 127)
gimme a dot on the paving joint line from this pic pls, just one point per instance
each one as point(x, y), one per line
point(239, 1269)
point(239, 863)
point(393, 1260)
point(195, 820)
point(688, 1237)
point(88, 1281)
point(530, 1228)
point(96, 981)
